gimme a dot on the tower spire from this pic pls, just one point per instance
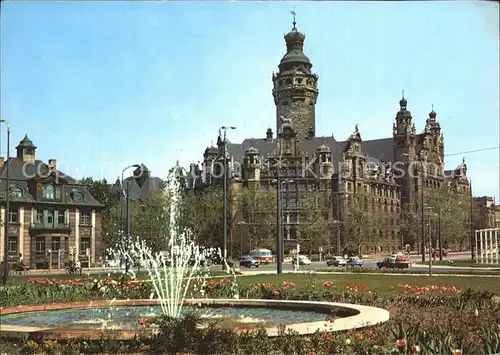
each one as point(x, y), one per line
point(294, 14)
point(402, 94)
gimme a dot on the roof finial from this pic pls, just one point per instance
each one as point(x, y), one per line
point(432, 107)
point(403, 94)
point(294, 14)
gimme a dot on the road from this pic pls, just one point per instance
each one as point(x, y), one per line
point(372, 264)
point(321, 265)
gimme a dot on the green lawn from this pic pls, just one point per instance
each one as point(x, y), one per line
point(380, 282)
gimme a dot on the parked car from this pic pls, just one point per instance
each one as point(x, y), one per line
point(112, 263)
point(249, 261)
point(336, 261)
point(303, 260)
point(355, 261)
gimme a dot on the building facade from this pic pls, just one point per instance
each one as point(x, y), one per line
point(392, 175)
point(52, 217)
point(487, 213)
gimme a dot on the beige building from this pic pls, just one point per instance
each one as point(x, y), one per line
point(488, 213)
point(51, 216)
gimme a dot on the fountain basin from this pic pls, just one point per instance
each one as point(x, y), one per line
point(310, 317)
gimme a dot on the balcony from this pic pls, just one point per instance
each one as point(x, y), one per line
point(50, 227)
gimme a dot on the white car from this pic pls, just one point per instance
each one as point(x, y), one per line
point(303, 260)
point(112, 263)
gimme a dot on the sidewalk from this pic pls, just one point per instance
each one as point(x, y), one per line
point(422, 265)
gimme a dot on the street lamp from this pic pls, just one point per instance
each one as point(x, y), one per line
point(126, 194)
point(429, 233)
point(422, 241)
point(472, 239)
point(7, 202)
point(225, 188)
point(279, 219)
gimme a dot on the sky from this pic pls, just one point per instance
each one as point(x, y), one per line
point(102, 85)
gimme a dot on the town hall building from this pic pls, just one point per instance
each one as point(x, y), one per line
point(388, 172)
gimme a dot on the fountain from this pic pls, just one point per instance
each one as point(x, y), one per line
point(171, 273)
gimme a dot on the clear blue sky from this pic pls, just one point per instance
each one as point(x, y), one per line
point(98, 85)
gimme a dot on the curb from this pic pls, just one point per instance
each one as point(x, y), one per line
point(368, 273)
point(493, 268)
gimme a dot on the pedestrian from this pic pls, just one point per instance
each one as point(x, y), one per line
point(79, 267)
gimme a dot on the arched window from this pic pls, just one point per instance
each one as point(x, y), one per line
point(48, 192)
point(17, 192)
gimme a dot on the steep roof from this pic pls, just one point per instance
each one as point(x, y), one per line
point(378, 149)
point(20, 173)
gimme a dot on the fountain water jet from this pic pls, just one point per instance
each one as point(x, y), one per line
point(171, 271)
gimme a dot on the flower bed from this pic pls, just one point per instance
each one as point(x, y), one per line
point(425, 318)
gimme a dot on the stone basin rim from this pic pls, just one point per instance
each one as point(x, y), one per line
point(357, 316)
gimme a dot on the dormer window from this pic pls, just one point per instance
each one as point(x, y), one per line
point(78, 196)
point(17, 192)
point(51, 193)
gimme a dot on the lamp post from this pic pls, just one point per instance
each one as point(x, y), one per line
point(279, 221)
point(340, 189)
point(225, 188)
point(422, 239)
point(422, 244)
point(430, 244)
point(472, 239)
point(440, 236)
point(126, 226)
point(7, 201)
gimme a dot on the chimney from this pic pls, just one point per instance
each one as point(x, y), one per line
point(2, 162)
point(53, 164)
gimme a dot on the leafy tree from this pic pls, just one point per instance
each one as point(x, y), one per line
point(257, 218)
point(150, 219)
point(409, 225)
point(360, 221)
point(453, 212)
point(110, 214)
point(202, 213)
point(316, 230)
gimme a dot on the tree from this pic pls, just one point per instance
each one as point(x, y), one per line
point(409, 225)
point(150, 219)
point(315, 232)
point(110, 214)
point(360, 221)
point(257, 218)
point(202, 214)
point(450, 212)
